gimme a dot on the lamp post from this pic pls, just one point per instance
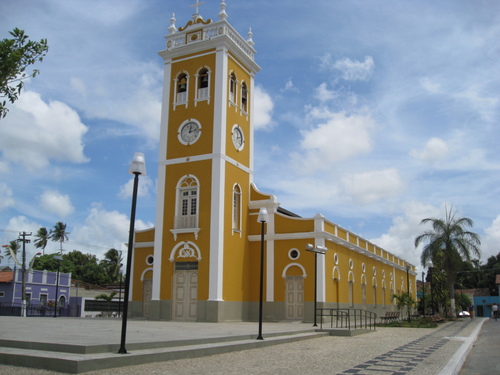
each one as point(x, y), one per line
point(408, 286)
point(423, 292)
point(262, 218)
point(137, 167)
point(316, 250)
point(59, 260)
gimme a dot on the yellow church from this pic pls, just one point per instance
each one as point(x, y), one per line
point(202, 260)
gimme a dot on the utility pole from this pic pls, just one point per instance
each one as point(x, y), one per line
point(24, 240)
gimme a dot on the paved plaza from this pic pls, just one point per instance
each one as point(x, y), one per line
point(385, 351)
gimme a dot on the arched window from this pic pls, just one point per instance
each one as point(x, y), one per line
point(232, 88)
point(236, 208)
point(203, 84)
point(187, 203)
point(244, 97)
point(181, 88)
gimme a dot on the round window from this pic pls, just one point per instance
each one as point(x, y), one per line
point(149, 260)
point(293, 254)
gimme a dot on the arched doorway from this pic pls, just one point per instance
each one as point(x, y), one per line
point(294, 275)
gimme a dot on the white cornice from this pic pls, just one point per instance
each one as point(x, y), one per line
point(206, 157)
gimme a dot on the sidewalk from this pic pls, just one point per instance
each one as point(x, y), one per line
point(483, 357)
point(385, 351)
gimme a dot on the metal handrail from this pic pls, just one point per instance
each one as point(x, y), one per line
point(347, 318)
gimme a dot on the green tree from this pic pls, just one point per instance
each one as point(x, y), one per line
point(108, 298)
point(447, 245)
point(113, 262)
point(16, 55)
point(59, 233)
point(12, 246)
point(405, 301)
point(83, 267)
point(42, 238)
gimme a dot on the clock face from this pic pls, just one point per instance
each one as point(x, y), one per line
point(238, 138)
point(189, 132)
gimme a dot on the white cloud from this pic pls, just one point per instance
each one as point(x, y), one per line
point(143, 189)
point(289, 86)
point(490, 243)
point(337, 137)
point(106, 229)
point(263, 109)
point(435, 150)
point(370, 187)
point(323, 94)
point(6, 199)
point(350, 70)
point(34, 132)
point(400, 238)
point(430, 85)
point(53, 201)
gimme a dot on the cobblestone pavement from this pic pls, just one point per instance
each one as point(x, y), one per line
point(385, 351)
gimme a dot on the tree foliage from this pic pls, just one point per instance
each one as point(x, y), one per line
point(83, 267)
point(59, 233)
point(447, 245)
point(16, 55)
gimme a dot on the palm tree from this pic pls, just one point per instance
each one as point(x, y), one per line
point(447, 245)
point(42, 237)
point(113, 262)
point(11, 250)
point(59, 233)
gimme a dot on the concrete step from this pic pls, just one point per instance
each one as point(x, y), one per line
point(77, 359)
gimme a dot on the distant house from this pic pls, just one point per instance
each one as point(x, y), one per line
point(40, 288)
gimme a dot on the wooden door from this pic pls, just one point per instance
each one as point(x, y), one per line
point(294, 298)
point(147, 287)
point(185, 296)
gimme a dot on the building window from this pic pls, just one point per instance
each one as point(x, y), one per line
point(43, 299)
point(181, 89)
point(203, 85)
point(236, 208)
point(187, 204)
point(351, 294)
point(233, 84)
point(244, 97)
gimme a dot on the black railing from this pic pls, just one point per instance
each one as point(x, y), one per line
point(347, 318)
point(14, 309)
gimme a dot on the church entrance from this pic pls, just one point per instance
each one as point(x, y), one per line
point(294, 301)
point(185, 291)
point(147, 287)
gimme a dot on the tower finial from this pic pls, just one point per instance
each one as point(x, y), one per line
point(222, 13)
point(172, 29)
point(250, 40)
point(196, 14)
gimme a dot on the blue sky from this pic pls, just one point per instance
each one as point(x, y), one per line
point(376, 114)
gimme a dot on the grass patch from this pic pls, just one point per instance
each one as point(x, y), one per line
point(416, 323)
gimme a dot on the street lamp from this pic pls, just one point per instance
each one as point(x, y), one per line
point(408, 286)
point(316, 250)
point(262, 218)
point(137, 167)
point(423, 291)
point(59, 260)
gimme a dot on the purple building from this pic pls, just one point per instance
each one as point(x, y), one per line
point(40, 288)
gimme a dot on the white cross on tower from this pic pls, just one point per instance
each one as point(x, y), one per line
point(197, 5)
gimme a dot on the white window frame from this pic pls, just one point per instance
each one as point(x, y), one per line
point(181, 99)
point(187, 223)
point(202, 94)
point(236, 222)
point(233, 91)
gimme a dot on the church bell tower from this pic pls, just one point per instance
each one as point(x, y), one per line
point(205, 170)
